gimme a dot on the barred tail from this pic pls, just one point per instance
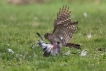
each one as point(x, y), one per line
point(40, 36)
point(73, 45)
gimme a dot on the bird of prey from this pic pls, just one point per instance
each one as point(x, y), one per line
point(64, 29)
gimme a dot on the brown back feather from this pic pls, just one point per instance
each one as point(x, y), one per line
point(64, 32)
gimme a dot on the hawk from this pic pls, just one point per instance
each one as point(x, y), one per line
point(64, 29)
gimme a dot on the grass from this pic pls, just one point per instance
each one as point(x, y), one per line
point(18, 27)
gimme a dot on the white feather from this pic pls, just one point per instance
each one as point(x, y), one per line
point(11, 51)
point(84, 52)
point(89, 36)
point(85, 14)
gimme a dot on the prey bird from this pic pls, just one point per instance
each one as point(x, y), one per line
point(64, 29)
point(48, 49)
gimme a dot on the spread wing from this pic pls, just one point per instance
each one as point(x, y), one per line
point(63, 27)
point(62, 15)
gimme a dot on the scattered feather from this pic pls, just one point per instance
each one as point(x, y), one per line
point(85, 14)
point(84, 52)
point(11, 51)
point(89, 36)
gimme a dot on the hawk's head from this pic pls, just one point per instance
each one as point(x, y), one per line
point(47, 35)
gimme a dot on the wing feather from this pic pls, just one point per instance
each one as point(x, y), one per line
point(63, 26)
point(62, 16)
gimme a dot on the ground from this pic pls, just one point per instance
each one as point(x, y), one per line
point(18, 27)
